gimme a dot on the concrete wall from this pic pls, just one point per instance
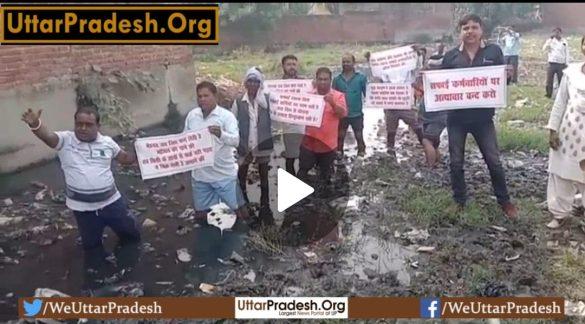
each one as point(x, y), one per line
point(46, 77)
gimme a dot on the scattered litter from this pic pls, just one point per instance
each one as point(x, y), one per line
point(221, 217)
point(499, 228)
point(520, 103)
point(39, 229)
point(374, 256)
point(382, 183)
point(222, 261)
point(310, 254)
point(512, 258)
point(415, 235)
point(552, 244)
point(414, 264)
point(516, 123)
point(183, 230)
point(8, 260)
point(426, 249)
point(515, 164)
point(48, 292)
point(354, 202)
point(148, 223)
point(206, 288)
point(41, 195)
point(183, 255)
point(237, 258)
point(8, 202)
point(164, 283)
point(9, 295)
point(187, 213)
point(38, 185)
point(251, 276)
point(418, 175)
point(47, 242)
point(10, 220)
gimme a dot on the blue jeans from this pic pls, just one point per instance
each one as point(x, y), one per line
point(207, 194)
point(484, 134)
point(91, 224)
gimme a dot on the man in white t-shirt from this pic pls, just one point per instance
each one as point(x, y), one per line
point(557, 50)
point(91, 193)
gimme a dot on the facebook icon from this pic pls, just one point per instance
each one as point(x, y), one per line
point(430, 308)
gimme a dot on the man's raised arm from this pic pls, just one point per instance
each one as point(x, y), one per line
point(33, 120)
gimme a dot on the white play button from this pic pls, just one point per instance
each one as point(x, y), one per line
point(290, 190)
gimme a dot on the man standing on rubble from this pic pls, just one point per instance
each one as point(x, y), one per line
point(292, 134)
point(91, 193)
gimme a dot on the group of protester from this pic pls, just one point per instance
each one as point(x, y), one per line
point(247, 128)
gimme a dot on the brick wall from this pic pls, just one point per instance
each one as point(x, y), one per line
point(26, 64)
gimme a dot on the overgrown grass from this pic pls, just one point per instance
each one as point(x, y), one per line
point(478, 276)
point(234, 64)
point(535, 110)
point(435, 207)
point(522, 139)
point(432, 207)
point(568, 272)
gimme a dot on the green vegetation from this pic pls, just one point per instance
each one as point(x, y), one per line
point(433, 207)
point(568, 273)
point(522, 139)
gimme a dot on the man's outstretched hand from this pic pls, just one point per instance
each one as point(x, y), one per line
point(32, 118)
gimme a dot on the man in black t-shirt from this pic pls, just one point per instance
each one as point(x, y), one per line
point(474, 52)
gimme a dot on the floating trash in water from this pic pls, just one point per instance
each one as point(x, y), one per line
point(148, 223)
point(41, 195)
point(222, 217)
point(426, 249)
point(251, 276)
point(183, 255)
point(206, 288)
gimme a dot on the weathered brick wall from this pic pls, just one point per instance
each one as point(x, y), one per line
point(30, 64)
point(46, 77)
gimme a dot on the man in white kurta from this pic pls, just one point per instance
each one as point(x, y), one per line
point(567, 140)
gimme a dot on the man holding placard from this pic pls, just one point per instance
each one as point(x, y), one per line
point(252, 110)
point(319, 145)
point(353, 84)
point(293, 134)
point(219, 182)
point(474, 52)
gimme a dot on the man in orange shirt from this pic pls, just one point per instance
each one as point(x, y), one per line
point(319, 145)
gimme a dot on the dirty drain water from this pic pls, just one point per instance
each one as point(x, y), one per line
point(371, 255)
point(52, 257)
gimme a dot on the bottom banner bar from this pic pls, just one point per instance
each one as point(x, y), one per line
point(291, 308)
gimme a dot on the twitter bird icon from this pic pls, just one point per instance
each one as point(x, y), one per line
point(32, 309)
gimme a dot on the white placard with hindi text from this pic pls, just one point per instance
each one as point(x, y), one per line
point(395, 96)
point(478, 87)
point(160, 156)
point(289, 85)
point(299, 109)
point(397, 59)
